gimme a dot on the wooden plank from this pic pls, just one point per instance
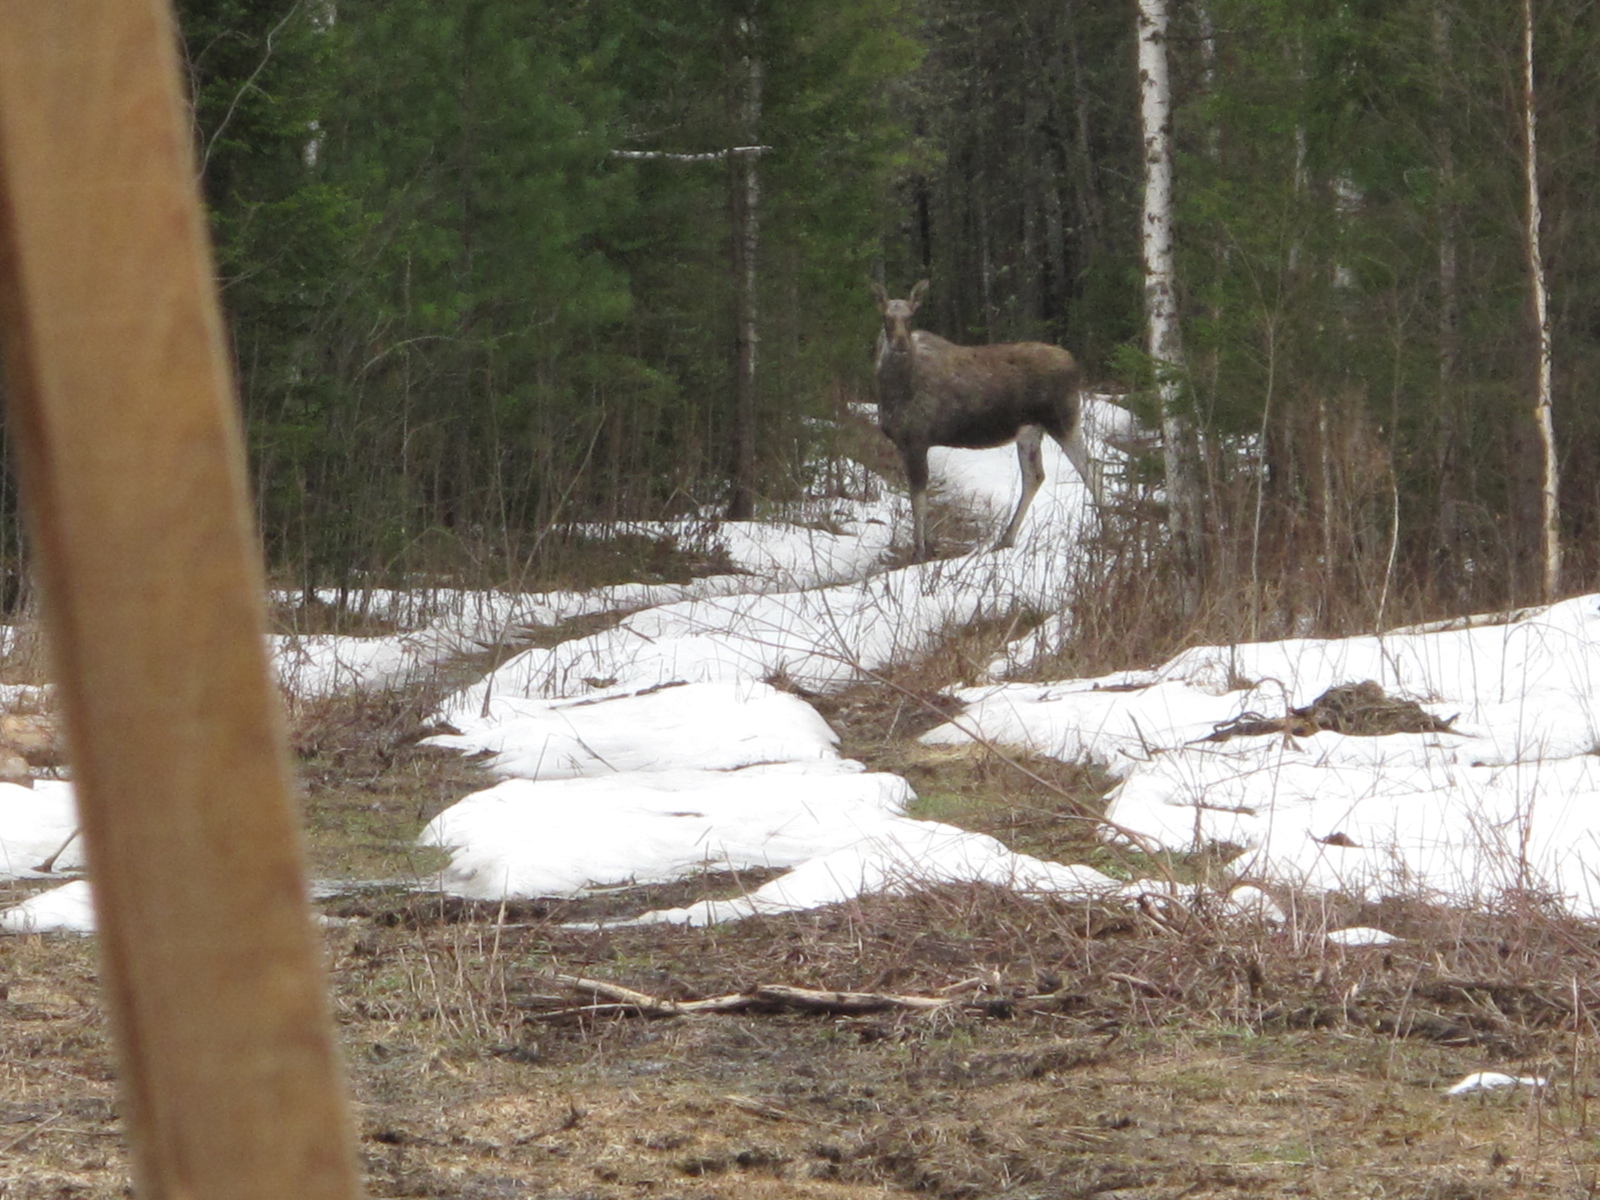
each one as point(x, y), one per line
point(121, 403)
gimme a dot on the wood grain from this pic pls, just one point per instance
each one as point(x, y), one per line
point(121, 403)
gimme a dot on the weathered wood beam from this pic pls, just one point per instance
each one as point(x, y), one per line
point(121, 406)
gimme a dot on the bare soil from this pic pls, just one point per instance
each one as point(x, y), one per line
point(1085, 1050)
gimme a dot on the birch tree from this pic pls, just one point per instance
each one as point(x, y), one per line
point(1550, 508)
point(1164, 337)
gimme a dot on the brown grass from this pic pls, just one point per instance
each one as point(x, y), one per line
point(1270, 568)
point(369, 786)
point(1115, 1055)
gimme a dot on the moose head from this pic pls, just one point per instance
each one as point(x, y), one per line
point(897, 316)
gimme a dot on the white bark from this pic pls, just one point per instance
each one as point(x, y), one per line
point(1156, 113)
point(1543, 421)
point(1165, 342)
point(708, 156)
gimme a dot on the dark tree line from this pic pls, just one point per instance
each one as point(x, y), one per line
point(486, 263)
point(1351, 223)
point(479, 265)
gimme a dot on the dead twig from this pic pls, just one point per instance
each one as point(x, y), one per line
point(614, 999)
point(28, 1135)
point(1154, 990)
point(851, 1003)
point(48, 866)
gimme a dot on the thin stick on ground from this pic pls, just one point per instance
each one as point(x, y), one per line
point(767, 997)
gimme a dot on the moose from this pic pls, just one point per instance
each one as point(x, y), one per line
point(934, 393)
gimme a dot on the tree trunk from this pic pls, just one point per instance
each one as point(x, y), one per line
point(1208, 73)
point(1550, 511)
point(1446, 418)
point(1160, 296)
point(1090, 199)
point(745, 185)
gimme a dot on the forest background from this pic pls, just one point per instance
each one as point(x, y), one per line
point(492, 269)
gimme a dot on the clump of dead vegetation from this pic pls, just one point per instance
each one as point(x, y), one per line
point(1355, 709)
point(577, 559)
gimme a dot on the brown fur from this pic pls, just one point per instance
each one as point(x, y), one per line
point(934, 393)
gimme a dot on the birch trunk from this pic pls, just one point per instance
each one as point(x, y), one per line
point(1550, 524)
point(1165, 341)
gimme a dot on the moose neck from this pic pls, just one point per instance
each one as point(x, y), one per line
point(894, 372)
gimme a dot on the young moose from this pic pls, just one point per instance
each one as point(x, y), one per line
point(934, 393)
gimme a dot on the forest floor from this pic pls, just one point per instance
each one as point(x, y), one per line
point(1076, 1051)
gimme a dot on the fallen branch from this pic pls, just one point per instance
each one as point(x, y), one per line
point(1154, 990)
point(705, 156)
point(616, 1000)
point(849, 1003)
point(625, 1001)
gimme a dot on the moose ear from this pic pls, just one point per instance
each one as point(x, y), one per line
point(877, 290)
point(917, 293)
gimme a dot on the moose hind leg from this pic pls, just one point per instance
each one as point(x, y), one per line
point(1032, 464)
point(1077, 452)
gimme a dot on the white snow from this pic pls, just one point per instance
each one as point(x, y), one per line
point(1509, 801)
point(679, 740)
point(66, 909)
point(710, 726)
point(1361, 935)
point(902, 854)
point(656, 747)
point(553, 838)
point(1490, 1081)
point(34, 823)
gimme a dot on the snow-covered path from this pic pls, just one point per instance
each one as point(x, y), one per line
point(670, 743)
point(663, 738)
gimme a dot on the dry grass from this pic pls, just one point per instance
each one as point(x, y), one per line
point(1269, 569)
point(578, 561)
point(1114, 1056)
point(369, 788)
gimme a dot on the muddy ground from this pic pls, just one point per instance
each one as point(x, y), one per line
point(1076, 1050)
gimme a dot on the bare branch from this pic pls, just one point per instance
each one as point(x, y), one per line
point(248, 85)
point(708, 156)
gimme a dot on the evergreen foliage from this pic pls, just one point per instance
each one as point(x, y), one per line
point(461, 318)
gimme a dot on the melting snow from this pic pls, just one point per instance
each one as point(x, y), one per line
point(661, 746)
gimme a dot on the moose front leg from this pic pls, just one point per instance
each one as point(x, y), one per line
point(916, 464)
